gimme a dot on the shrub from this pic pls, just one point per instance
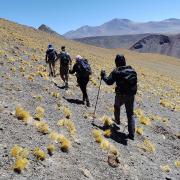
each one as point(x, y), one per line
point(138, 113)
point(69, 124)
point(166, 103)
point(145, 120)
point(97, 135)
point(21, 114)
point(54, 136)
point(148, 146)
point(105, 144)
point(55, 94)
point(39, 114)
point(177, 164)
point(42, 127)
point(66, 112)
point(65, 143)
point(106, 120)
point(113, 149)
point(31, 78)
point(18, 151)
point(51, 148)
point(139, 130)
point(20, 164)
point(165, 168)
point(39, 154)
point(107, 133)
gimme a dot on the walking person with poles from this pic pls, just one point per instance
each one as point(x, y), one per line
point(125, 78)
point(83, 71)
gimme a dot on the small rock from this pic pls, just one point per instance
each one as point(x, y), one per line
point(164, 137)
point(77, 141)
point(12, 113)
point(113, 161)
point(86, 173)
point(5, 155)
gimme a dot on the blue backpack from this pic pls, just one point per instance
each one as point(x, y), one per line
point(85, 68)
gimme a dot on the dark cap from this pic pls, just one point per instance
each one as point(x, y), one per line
point(120, 60)
point(63, 48)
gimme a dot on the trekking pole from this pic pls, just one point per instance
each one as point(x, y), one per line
point(97, 98)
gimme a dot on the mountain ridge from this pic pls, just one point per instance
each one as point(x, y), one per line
point(144, 43)
point(125, 26)
point(47, 29)
point(112, 42)
point(158, 43)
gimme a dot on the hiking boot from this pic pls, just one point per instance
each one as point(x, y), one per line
point(66, 85)
point(83, 100)
point(117, 122)
point(88, 104)
point(130, 136)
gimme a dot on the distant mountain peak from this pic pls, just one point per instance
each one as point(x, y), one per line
point(172, 19)
point(117, 19)
point(118, 26)
point(47, 29)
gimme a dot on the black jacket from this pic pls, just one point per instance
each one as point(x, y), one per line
point(50, 51)
point(61, 54)
point(79, 74)
point(117, 76)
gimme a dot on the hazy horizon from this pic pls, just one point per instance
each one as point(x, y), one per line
point(63, 16)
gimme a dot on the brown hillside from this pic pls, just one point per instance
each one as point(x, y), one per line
point(33, 110)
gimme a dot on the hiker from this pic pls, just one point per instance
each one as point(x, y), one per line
point(83, 71)
point(65, 61)
point(125, 78)
point(51, 55)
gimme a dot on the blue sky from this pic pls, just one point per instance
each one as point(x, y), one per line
point(65, 15)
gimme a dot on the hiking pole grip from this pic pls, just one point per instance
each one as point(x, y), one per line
point(97, 97)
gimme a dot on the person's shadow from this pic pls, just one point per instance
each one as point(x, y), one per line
point(60, 87)
point(119, 137)
point(74, 101)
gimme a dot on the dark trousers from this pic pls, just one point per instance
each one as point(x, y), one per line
point(51, 67)
point(128, 101)
point(64, 73)
point(82, 82)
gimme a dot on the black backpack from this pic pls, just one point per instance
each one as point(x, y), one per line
point(128, 78)
point(85, 68)
point(51, 54)
point(64, 59)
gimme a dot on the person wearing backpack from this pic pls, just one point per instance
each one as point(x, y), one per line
point(83, 71)
point(125, 78)
point(51, 55)
point(65, 61)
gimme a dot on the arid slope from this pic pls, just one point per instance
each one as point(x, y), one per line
point(24, 82)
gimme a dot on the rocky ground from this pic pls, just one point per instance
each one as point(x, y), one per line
point(24, 81)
